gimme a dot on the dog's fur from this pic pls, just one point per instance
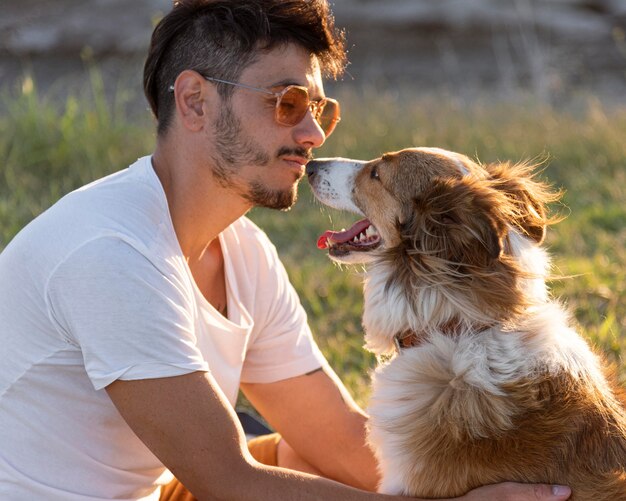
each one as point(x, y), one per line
point(496, 385)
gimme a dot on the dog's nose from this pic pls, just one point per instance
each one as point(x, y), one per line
point(311, 168)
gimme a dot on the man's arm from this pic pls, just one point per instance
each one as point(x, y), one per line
point(318, 418)
point(189, 425)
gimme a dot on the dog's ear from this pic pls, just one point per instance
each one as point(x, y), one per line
point(460, 221)
point(529, 196)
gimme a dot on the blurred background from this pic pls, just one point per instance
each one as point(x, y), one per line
point(551, 48)
point(494, 79)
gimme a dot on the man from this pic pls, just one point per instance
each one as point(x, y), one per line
point(133, 310)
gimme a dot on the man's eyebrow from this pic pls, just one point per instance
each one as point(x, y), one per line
point(286, 82)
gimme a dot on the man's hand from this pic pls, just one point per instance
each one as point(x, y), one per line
point(518, 492)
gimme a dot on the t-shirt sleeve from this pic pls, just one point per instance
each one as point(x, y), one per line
point(283, 345)
point(129, 319)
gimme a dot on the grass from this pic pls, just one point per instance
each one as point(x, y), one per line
point(49, 147)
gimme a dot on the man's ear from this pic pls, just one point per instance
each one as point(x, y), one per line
point(191, 95)
point(528, 195)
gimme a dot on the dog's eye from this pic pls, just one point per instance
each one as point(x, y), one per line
point(374, 173)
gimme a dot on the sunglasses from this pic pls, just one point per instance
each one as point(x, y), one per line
point(292, 104)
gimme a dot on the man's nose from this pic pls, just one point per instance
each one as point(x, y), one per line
point(308, 132)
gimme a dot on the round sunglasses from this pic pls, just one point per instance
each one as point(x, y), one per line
point(292, 104)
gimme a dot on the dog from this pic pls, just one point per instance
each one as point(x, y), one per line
point(482, 377)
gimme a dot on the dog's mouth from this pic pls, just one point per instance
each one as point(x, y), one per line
point(361, 237)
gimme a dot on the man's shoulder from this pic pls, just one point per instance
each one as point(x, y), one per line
point(128, 203)
point(127, 189)
point(124, 206)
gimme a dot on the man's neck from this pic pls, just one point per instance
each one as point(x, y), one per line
point(199, 206)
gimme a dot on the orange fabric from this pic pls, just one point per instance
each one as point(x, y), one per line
point(263, 448)
point(175, 491)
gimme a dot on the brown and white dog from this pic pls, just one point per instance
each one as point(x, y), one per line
point(488, 381)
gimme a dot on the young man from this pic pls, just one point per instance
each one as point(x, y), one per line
point(133, 310)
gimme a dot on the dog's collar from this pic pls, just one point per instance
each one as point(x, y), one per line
point(408, 339)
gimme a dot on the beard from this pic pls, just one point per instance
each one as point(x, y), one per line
point(234, 149)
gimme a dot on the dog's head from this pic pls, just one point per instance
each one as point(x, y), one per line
point(453, 223)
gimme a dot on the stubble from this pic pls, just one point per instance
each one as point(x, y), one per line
point(233, 150)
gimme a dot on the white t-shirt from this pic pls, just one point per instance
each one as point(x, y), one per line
point(96, 289)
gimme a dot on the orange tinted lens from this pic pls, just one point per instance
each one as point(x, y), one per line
point(328, 115)
point(292, 105)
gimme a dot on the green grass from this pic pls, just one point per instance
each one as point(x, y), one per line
point(47, 149)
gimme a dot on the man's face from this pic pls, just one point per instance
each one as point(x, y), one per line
point(254, 155)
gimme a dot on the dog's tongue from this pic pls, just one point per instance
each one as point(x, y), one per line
point(341, 237)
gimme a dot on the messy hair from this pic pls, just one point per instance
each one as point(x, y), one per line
point(220, 38)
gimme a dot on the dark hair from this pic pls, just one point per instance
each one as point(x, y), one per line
point(220, 38)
